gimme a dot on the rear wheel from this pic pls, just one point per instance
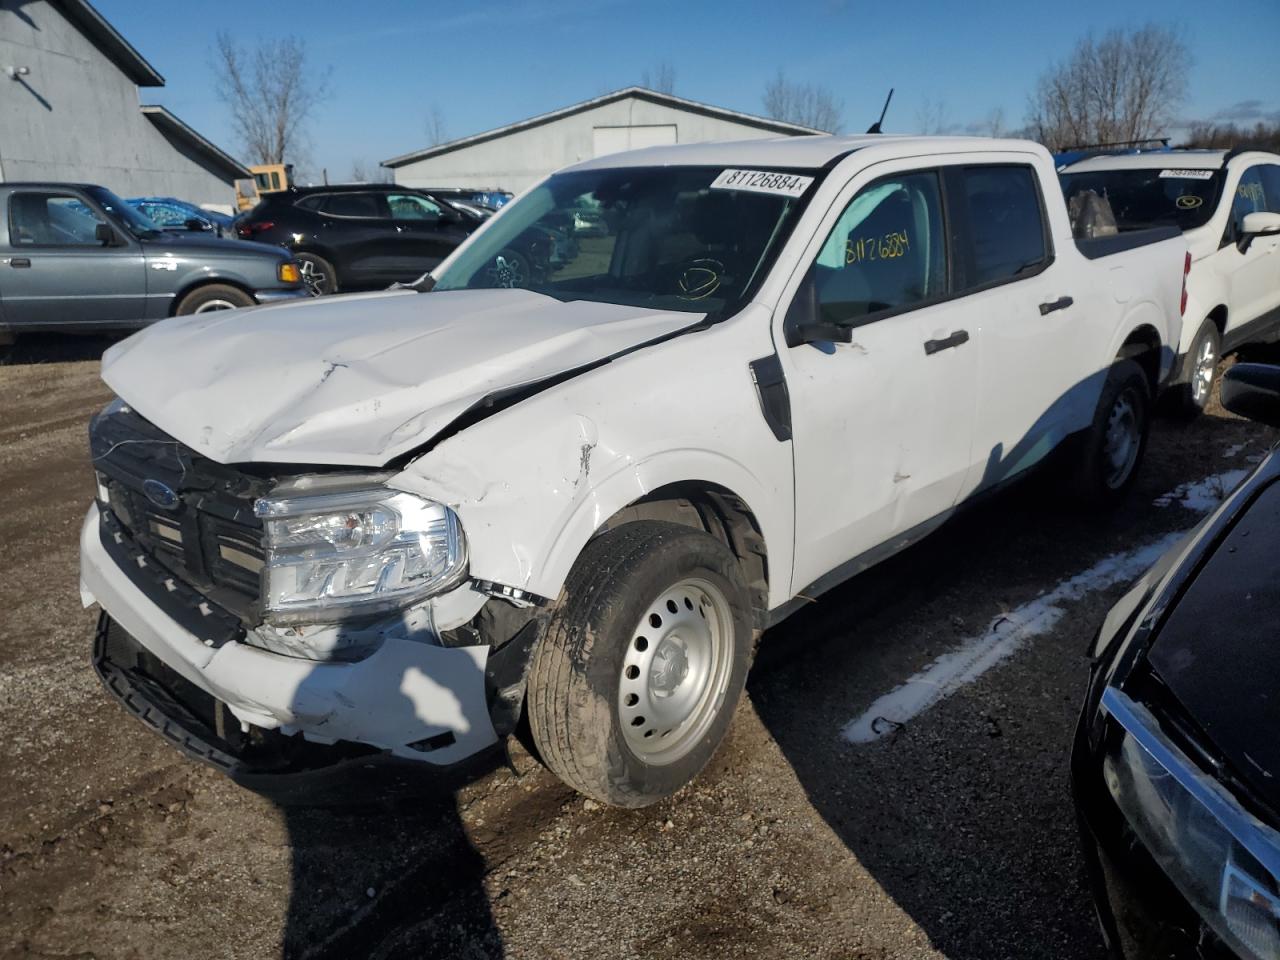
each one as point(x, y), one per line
point(1111, 451)
point(635, 683)
point(214, 296)
point(1199, 371)
point(317, 273)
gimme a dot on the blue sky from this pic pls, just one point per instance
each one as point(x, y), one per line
point(484, 64)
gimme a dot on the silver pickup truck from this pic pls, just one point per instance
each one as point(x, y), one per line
point(76, 258)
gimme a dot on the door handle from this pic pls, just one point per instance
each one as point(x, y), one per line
point(1060, 304)
point(17, 262)
point(933, 346)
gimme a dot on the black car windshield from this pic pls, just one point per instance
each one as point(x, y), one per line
point(671, 238)
point(1152, 197)
point(137, 224)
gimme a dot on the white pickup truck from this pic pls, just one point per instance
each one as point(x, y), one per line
point(385, 528)
point(1227, 203)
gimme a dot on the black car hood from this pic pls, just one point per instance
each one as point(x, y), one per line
point(1219, 651)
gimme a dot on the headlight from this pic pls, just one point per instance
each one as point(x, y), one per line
point(1225, 861)
point(340, 555)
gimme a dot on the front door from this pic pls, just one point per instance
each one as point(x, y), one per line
point(425, 234)
point(882, 425)
point(1253, 277)
point(57, 272)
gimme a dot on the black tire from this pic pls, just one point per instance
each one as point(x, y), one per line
point(1095, 480)
point(317, 274)
point(213, 296)
point(1191, 394)
point(576, 681)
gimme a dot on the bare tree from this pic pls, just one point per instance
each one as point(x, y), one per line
point(437, 133)
point(807, 104)
point(272, 92)
point(932, 119)
point(1126, 86)
point(662, 79)
point(1217, 136)
point(358, 172)
point(992, 125)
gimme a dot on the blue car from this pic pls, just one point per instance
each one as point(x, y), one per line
point(169, 213)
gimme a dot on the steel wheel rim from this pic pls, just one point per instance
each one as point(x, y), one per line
point(1202, 377)
point(211, 305)
point(676, 671)
point(317, 283)
point(1122, 440)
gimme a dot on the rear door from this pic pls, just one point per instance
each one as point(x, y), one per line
point(425, 233)
point(1033, 358)
point(356, 226)
point(881, 425)
point(57, 273)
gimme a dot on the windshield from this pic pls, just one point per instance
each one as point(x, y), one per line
point(1153, 197)
point(671, 238)
point(134, 222)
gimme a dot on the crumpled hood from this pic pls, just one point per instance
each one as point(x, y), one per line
point(358, 379)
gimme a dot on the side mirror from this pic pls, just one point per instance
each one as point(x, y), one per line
point(803, 322)
point(193, 224)
point(1259, 224)
point(1252, 390)
point(104, 234)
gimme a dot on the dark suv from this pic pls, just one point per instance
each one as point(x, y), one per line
point(360, 235)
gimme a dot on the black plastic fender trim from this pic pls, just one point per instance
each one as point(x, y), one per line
point(775, 400)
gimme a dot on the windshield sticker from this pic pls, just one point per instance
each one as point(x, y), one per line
point(762, 181)
point(1186, 174)
point(1189, 201)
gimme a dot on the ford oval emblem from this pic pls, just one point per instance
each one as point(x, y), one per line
point(161, 494)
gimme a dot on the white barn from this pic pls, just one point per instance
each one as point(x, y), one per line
point(520, 154)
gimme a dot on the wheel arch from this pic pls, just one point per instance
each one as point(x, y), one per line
point(1144, 345)
point(207, 280)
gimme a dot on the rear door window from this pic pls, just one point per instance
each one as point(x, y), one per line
point(1006, 223)
point(357, 205)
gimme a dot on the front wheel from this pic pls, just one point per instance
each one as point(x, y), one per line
point(1111, 450)
point(214, 296)
point(646, 655)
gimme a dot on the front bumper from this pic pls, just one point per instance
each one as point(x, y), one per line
point(414, 701)
point(277, 296)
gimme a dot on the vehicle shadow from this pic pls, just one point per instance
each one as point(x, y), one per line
point(398, 877)
point(964, 817)
point(33, 348)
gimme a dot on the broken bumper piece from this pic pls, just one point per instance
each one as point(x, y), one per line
point(257, 714)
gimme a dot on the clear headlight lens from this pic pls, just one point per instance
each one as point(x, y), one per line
point(1222, 859)
point(339, 555)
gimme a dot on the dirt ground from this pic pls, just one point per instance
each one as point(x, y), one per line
point(951, 837)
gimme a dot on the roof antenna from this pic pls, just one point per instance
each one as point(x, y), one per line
point(875, 127)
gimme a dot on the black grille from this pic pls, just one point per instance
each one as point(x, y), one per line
point(209, 537)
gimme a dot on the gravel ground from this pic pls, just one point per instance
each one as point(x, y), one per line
point(953, 836)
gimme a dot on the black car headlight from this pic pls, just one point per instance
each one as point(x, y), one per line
point(334, 556)
point(1224, 860)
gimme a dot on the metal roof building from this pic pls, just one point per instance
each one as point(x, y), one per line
point(520, 154)
point(70, 111)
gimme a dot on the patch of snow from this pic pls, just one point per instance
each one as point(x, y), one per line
point(1234, 450)
point(1008, 632)
point(1005, 635)
point(1201, 496)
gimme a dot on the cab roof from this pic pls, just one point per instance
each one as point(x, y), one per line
point(807, 152)
point(1154, 160)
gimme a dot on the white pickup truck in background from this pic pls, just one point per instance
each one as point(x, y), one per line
point(383, 528)
point(1228, 206)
